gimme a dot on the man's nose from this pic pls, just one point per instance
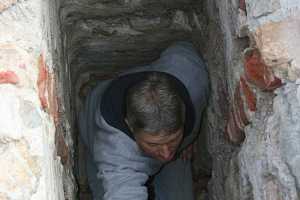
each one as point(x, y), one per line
point(166, 152)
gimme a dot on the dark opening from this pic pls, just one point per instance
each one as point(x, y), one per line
point(105, 38)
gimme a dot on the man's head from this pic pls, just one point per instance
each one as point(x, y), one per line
point(155, 113)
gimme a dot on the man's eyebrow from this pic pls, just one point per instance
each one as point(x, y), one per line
point(170, 141)
point(173, 139)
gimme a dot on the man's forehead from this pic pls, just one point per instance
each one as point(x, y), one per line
point(159, 138)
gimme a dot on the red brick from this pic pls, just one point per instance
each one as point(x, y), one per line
point(233, 133)
point(249, 94)
point(237, 119)
point(258, 73)
point(242, 5)
point(8, 77)
point(42, 81)
point(47, 90)
point(241, 106)
point(52, 99)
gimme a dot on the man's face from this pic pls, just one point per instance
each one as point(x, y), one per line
point(160, 146)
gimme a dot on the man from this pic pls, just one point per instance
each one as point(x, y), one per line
point(136, 126)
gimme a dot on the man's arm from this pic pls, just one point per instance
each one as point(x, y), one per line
point(122, 170)
point(123, 184)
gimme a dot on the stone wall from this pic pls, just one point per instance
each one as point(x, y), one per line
point(108, 36)
point(30, 55)
point(261, 161)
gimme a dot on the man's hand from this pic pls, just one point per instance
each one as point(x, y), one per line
point(187, 153)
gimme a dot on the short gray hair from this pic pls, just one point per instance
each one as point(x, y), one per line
point(154, 104)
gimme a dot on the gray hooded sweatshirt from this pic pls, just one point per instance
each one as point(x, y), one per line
point(123, 168)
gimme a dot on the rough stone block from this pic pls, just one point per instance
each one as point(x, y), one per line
point(144, 24)
point(181, 21)
point(268, 160)
point(287, 106)
point(242, 5)
point(16, 65)
point(280, 46)
point(259, 8)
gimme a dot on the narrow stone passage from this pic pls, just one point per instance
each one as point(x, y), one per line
point(127, 38)
point(52, 53)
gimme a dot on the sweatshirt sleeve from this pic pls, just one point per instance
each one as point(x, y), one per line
point(123, 184)
point(120, 166)
point(122, 171)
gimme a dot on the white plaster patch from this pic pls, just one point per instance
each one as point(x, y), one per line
point(22, 23)
point(18, 174)
point(10, 128)
point(16, 59)
point(50, 186)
